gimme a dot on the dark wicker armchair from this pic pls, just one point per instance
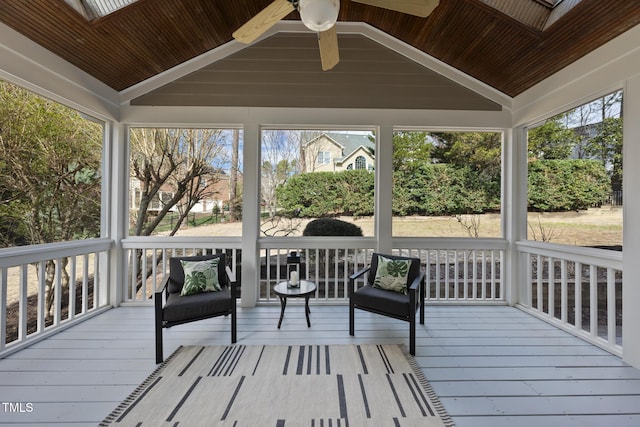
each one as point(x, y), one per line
point(171, 308)
point(392, 303)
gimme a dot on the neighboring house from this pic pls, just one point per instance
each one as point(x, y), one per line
point(217, 192)
point(332, 152)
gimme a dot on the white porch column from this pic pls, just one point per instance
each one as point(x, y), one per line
point(514, 208)
point(631, 226)
point(384, 189)
point(116, 215)
point(250, 214)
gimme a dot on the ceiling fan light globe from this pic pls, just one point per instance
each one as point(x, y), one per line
point(319, 15)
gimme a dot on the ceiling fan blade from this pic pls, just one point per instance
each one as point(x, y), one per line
point(329, 53)
point(421, 8)
point(263, 20)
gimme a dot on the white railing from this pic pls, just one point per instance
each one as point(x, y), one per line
point(459, 270)
point(326, 261)
point(147, 260)
point(577, 289)
point(45, 288)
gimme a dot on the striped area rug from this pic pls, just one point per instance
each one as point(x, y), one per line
point(284, 386)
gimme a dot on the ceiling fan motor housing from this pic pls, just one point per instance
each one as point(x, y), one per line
point(319, 15)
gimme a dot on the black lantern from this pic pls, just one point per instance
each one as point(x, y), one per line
point(293, 270)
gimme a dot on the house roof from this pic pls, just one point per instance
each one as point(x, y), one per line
point(507, 47)
point(351, 142)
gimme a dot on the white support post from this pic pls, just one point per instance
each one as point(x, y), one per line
point(384, 189)
point(514, 210)
point(250, 215)
point(115, 216)
point(631, 226)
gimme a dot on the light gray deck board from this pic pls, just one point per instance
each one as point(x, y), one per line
point(491, 365)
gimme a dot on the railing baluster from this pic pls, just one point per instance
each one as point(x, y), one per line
point(85, 283)
point(551, 295)
point(593, 300)
point(72, 287)
point(23, 304)
point(564, 298)
point(42, 290)
point(611, 306)
point(578, 296)
point(57, 291)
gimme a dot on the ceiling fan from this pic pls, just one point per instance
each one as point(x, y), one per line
point(320, 16)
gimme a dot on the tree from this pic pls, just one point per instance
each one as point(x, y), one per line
point(234, 202)
point(280, 150)
point(50, 184)
point(552, 141)
point(607, 147)
point(411, 148)
point(182, 162)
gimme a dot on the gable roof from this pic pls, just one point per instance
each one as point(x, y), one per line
point(149, 37)
point(347, 142)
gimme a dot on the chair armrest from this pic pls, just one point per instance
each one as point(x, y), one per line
point(417, 282)
point(231, 276)
point(354, 276)
point(158, 300)
point(164, 287)
point(352, 280)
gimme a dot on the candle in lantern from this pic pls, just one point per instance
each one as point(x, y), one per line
point(293, 278)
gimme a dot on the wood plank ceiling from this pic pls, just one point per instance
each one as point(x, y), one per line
point(151, 36)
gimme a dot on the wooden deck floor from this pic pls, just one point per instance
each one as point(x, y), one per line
point(491, 366)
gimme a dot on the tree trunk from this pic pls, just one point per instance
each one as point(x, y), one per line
point(233, 179)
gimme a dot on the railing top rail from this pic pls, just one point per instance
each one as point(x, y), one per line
point(18, 255)
point(318, 242)
point(450, 243)
point(600, 257)
point(178, 242)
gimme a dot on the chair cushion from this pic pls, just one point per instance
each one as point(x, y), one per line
point(200, 276)
point(391, 274)
point(382, 300)
point(206, 304)
point(176, 273)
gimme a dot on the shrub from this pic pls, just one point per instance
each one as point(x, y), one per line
point(561, 185)
point(331, 227)
point(320, 194)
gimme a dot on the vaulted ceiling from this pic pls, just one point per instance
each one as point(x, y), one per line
point(508, 47)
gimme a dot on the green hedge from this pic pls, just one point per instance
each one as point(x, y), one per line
point(322, 194)
point(562, 185)
point(442, 189)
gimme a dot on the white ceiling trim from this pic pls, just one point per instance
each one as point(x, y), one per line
point(33, 67)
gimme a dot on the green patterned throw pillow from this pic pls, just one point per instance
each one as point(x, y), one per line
point(200, 276)
point(392, 274)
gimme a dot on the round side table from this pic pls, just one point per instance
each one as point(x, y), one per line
point(304, 290)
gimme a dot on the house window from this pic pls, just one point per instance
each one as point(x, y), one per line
point(324, 157)
point(361, 162)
